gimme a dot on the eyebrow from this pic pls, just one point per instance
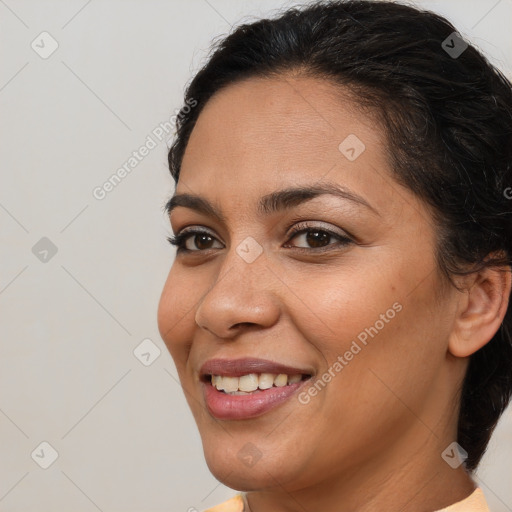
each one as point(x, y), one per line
point(271, 203)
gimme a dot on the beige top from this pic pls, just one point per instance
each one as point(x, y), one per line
point(475, 502)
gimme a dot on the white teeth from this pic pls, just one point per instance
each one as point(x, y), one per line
point(251, 382)
point(217, 382)
point(281, 380)
point(230, 384)
point(266, 380)
point(248, 382)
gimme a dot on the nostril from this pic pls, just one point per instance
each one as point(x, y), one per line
point(243, 324)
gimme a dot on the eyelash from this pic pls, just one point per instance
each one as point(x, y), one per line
point(180, 239)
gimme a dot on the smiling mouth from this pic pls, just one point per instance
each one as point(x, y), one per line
point(253, 382)
point(246, 388)
point(249, 396)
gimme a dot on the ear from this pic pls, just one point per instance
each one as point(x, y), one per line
point(481, 310)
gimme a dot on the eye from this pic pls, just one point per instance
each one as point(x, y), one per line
point(316, 236)
point(198, 237)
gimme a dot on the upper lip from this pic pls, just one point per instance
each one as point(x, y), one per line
point(246, 365)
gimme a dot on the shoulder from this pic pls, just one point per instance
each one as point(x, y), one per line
point(235, 504)
point(475, 502)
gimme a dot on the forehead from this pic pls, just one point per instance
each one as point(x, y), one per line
point(285, 117)
point(264, 134)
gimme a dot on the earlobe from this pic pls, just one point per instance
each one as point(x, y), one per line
point(481, 310)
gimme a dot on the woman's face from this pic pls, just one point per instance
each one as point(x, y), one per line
point(353, 304)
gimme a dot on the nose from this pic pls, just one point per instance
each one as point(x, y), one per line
point(240, 297)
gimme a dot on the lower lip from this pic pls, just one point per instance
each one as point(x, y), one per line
point(240, 407)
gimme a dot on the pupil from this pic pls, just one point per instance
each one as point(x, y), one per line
point(318, 238)
point(199, 237)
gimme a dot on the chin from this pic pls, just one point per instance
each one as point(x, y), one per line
point(240, 464)
point(242, 478)
point(243, 483)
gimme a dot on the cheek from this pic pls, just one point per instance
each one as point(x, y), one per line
point(343, 303)
point(176, 310)
point(391, 349)
point(367, 324)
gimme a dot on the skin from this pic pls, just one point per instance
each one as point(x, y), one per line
point(372, 438)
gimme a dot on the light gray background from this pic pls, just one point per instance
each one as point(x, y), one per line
point(125, 438)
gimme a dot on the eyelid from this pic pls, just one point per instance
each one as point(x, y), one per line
point(194, 228)
point(294, 223)
point(294, 228)
point(342, 237)
point(301, 225)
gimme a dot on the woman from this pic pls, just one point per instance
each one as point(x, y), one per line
point(338, 306)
